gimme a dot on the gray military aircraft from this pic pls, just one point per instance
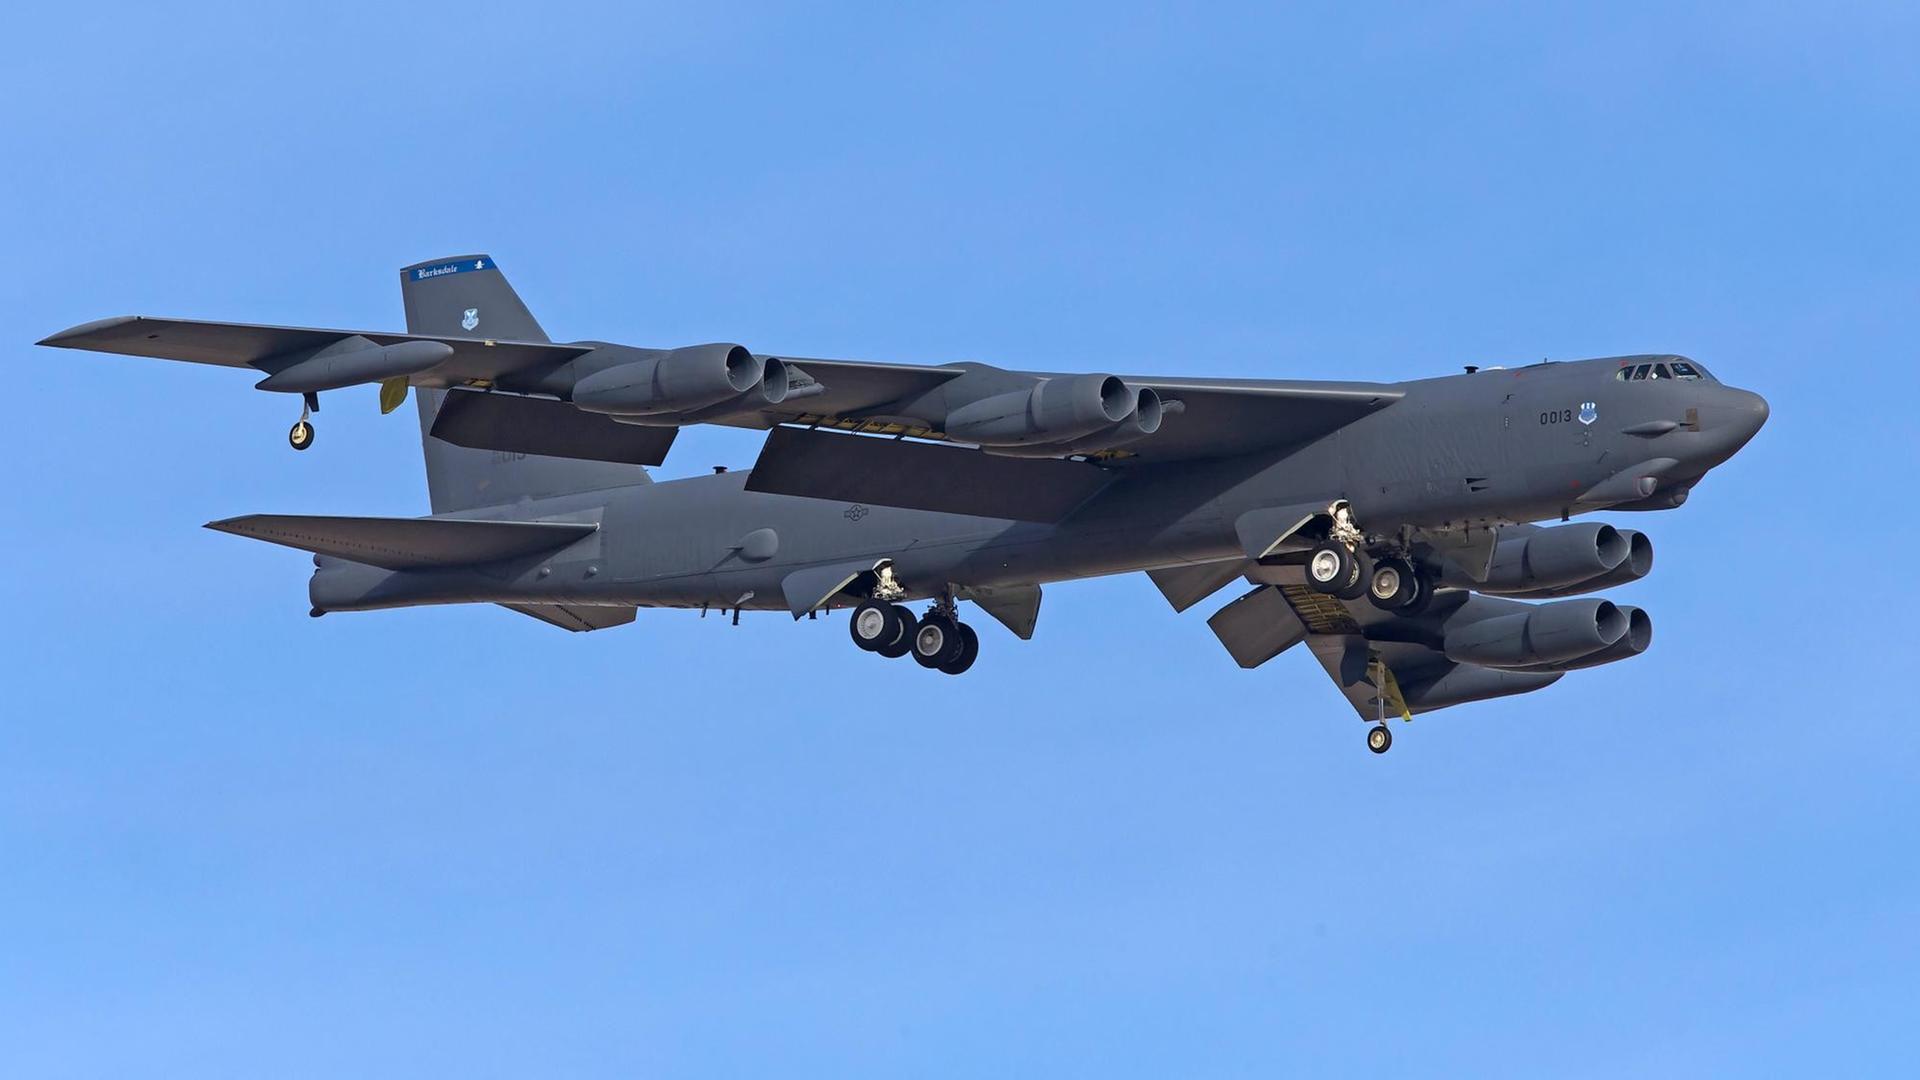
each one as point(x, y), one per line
point(1388, 526)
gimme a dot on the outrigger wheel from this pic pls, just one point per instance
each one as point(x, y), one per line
point(300, 436)
point(1379, 739)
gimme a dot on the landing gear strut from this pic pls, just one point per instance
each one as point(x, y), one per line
point(300, 436)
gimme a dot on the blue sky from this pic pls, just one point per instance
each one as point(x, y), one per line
point(236, 841)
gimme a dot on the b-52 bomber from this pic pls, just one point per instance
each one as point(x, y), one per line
point(1393, 528)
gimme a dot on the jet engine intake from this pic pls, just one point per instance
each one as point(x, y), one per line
point(1638, 564)
point(1635, 641)
point(682, 385)
point(1548, 634)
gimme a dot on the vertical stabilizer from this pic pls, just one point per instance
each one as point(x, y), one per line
point(467, 296)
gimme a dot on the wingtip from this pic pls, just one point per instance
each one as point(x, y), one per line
point(64, 338)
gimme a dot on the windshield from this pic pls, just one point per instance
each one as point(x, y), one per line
point(1653, 371)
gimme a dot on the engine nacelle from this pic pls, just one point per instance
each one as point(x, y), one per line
point(1054, 413)
point(1469, 682)
point(1548, 634)
point(1638, 637)
point(1552, 558)
point(1147, 413)
point(682, 385)
point(1638, 564)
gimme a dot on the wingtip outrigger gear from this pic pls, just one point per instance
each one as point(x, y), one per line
point(1386, 691)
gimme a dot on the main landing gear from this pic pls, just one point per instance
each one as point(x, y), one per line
point(1340, 566)
point(939, 640)
point(300, 436)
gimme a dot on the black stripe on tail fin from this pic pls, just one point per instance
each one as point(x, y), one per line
point(467, 296)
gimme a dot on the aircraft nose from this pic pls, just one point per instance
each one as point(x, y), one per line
point(1746, 413)
point(1729, 418)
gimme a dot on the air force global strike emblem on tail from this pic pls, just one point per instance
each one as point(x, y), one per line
point(1378, 530)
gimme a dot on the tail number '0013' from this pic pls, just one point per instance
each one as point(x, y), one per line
point(1562, 416)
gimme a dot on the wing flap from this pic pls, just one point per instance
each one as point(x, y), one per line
point(528, 425)
point(407, 543)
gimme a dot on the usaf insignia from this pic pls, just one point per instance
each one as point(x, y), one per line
point(471, 319)
point(1589, 412)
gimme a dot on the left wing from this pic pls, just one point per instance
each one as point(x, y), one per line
point(270, 349)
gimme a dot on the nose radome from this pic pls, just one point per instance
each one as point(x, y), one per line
point(1749, 411)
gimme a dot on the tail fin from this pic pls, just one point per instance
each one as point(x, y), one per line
point(467, 296)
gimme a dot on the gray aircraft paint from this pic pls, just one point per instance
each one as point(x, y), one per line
point(1441, 464)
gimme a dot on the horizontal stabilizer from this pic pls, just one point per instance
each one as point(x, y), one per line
point(576, 617)
point(407, 543)
point(921, 476)
point(549, 428)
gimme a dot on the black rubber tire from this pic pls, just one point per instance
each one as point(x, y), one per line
point(1421, 599)
point(1407, 584)
point(1336, 557)
point(903, 644)
point(969, 652)
point(941, 632)
point(1379, 738)
point(300, 435)
point(1357, 585)
point(888, 629)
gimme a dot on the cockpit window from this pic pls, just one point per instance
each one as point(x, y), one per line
point(1670, 369)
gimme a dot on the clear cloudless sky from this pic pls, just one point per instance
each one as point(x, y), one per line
point(235, 841)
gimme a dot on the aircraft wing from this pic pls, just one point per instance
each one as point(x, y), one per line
point(1385, 664)
point(1213, 418)
point(248, 345)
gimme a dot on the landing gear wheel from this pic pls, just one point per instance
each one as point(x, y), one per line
point(936, 641)
point(1394, 585)
point(969, 652)
point(875, 625)
point(1331, 567)
point(1379, 739)
point(300, 436)
point(903, 644)
point(1362, 573)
